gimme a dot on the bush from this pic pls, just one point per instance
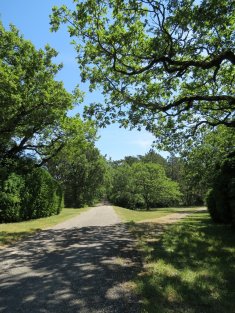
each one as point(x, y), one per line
point(28, 195)
point(231, 196)
point(211, 205)
point(43, 195)
point(221, 199)
point(127, 199)
point(10, 198)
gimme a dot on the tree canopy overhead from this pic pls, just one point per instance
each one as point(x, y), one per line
point(166, 65)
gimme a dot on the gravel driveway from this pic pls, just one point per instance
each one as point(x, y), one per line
point(82, 265)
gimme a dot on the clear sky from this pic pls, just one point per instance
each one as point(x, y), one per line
point(31, 17)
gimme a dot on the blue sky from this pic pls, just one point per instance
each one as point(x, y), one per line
point(31, 17)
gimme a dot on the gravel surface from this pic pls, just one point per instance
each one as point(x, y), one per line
point(82, 265)
point(97, 216)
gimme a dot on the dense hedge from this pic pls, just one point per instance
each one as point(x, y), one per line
point(221, 198)
point(30, 195)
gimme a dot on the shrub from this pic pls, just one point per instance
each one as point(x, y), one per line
point(231, 197)
point(43, 195)
point(28, 195)
point(10, 198)
point(211, 205)
point(221, 199)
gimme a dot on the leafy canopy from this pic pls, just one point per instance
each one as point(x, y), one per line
point(80, 169)
point(202, 163)
point(167, 65)
point(142, 185)
point(33, 104)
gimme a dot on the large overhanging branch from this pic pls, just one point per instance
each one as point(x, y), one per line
point(52, 155)
point(158, 64)
point(183, 103)
point(191, 99)
point(25, 144)
point(175, 66)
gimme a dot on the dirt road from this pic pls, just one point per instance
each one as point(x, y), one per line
point(82, 265)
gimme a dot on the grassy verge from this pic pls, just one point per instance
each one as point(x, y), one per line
point(189, 268)
point(136, 216)
point(11, 232)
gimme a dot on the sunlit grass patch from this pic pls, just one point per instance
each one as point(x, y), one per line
point(128, 215)
point(11, 232)
point(190, 268)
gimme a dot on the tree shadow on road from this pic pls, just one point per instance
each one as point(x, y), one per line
point(71, 270)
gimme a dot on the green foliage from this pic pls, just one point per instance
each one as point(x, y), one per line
point(34, 122)
point(153, 186)
point(33, 104)
point(122, 192)
point(30, 195)
point(42, 196)
point(81, 171)
point(10, 198)
point(153, 157)
point(150, 157)
point(142, 185)
point(211, 205)
point(220, 199)
point(159, 66)
point(174, 168)
point(198, 167)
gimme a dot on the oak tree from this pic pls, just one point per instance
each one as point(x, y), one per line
point(33, 103)
point(167, 65)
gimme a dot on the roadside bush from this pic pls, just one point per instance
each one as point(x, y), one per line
point(127, 199)
point(43, 195)
point(31, 195)
point(231, 196)
point(10, 198)
point(211, 205)
point(221, 199)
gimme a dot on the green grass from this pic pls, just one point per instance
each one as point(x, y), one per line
point(11, 232)
point(137, 216)
point(189, 268)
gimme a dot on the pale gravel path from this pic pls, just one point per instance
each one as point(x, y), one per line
point(84, 265)
point(98, 216)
